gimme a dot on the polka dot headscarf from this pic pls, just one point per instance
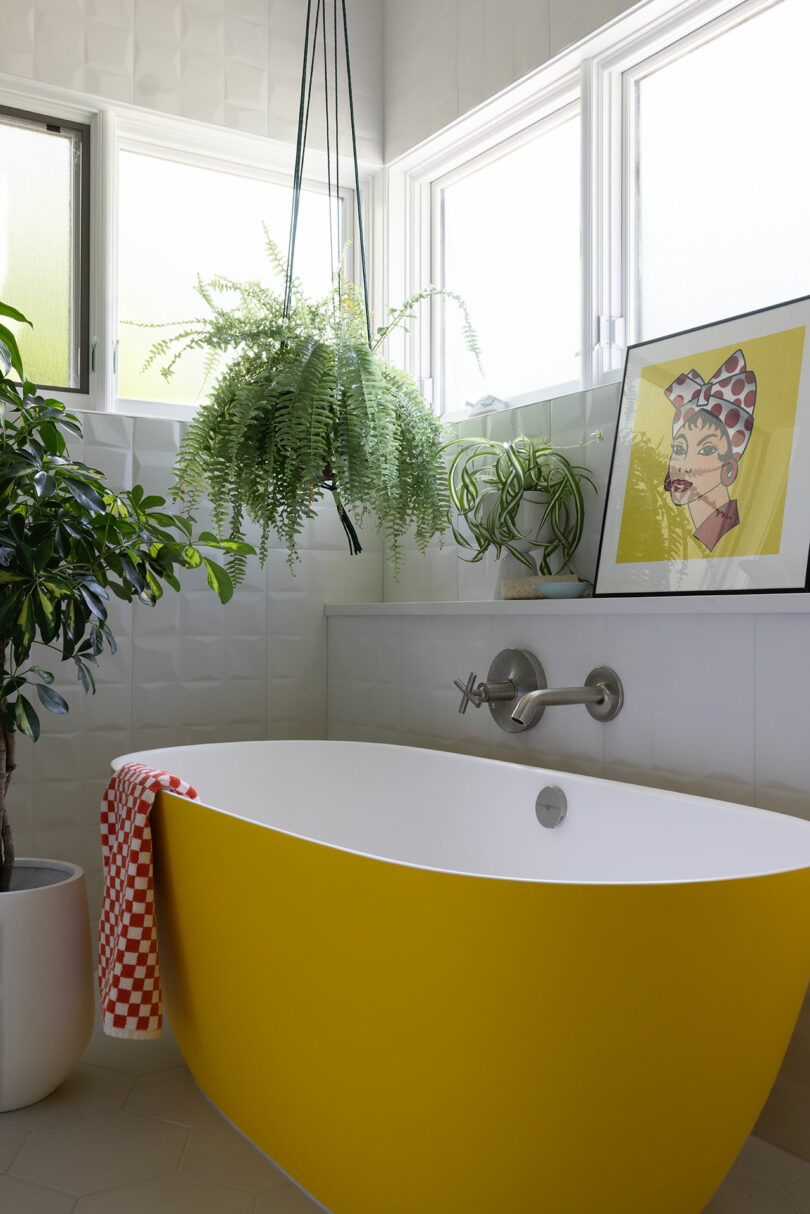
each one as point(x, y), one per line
point(730, 395)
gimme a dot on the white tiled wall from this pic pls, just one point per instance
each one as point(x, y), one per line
point(729, 728)
point(444, 57)
point(236, 63)
point(188, 669)
point(569, 423)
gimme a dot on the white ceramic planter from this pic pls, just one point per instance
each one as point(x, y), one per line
point(46, 979)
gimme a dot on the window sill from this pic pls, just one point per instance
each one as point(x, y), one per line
point(780, 603)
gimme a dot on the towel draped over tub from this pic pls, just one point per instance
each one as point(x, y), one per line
point(128, 967)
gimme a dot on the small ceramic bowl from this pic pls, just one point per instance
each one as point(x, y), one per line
point(562, 590)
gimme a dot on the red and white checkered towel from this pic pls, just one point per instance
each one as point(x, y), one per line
point(128, 969)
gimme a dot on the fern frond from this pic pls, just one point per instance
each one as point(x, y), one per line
point(302, 399)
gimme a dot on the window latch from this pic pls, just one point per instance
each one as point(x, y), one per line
point(612, 332)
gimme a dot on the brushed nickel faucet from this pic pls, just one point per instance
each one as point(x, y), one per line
point(517, 692)
point(602, 695)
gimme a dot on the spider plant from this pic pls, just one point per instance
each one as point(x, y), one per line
point(489, 481)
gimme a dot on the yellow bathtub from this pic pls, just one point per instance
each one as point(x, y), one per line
point(416, 1000)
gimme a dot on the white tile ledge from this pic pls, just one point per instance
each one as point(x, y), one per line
point(793, 603)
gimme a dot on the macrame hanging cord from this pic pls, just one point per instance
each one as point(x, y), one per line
point(307, 76)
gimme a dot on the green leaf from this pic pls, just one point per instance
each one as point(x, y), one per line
point(58, 586)
point(131, 572)
point(219, 580)
point(24, 630)
point(43, 553)
point(13, 314)
point(183, 523)
point(45, 616)
point(44, 484)
point(51, 699)
point(9, 607)
point(13, 350)
point(45, 675)
point(191, 557)
point(85, 676)
point(26, 718)
point(16, 525)
point(5, 358)
point(85, 495)
point(71, 425)
point(95, 604)
point(97, 589)
point(16, 465)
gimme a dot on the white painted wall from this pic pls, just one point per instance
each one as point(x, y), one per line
point(236, 63)
point(444, 57)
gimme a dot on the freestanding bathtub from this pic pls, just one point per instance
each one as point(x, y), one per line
point(414, 998)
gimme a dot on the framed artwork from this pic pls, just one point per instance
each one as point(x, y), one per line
point(709, 487)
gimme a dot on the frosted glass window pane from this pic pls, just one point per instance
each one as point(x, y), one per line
point(512, 251)
point(723, 181)
point(38, 173)
point(177, 221)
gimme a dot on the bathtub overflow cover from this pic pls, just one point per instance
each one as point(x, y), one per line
point(550, 806)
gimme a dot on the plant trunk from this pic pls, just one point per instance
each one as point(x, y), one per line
point(8, 744)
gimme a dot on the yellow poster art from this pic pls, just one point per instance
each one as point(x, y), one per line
point(712, 439)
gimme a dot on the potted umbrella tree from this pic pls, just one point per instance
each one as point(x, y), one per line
point(67, 542)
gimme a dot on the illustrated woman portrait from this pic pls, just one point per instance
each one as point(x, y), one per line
point(710, 431)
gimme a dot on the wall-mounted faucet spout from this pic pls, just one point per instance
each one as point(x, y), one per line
point(602, 695)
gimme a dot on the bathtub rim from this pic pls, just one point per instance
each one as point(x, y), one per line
point(735, 808)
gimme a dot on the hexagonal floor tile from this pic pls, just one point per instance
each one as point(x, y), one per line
point(799, 1193)
point(12, 1139)
point(289, 1200)
point(172, 1096)
point(761, 1160)
point(168, 1195)
point(87, 1092)
point(133, 1057)
point(93, 1153)
point(737, 1196)
point(23, 1198)
point(219, 1152)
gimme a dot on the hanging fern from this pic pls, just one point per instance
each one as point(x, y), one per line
point(302, 406)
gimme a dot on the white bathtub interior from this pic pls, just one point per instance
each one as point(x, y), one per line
point(464, 814)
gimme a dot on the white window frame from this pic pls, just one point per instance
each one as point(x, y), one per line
point(117, 127)
point(612, 78)
point(598, 73)
point(561, 106)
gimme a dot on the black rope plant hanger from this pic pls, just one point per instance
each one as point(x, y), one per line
point(313, 26)
point(305, 404)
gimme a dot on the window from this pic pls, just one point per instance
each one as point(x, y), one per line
point(510, 246)
point(177, 220)
point(678, 196)
point(722, 187)
point(44, 243)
